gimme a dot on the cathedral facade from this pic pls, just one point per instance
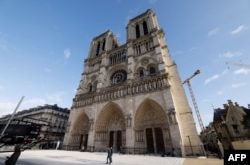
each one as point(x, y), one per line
point(131, 97)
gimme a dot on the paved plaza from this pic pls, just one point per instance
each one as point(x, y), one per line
point(58, 157)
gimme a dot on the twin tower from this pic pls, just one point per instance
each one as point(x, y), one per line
point(131, 97)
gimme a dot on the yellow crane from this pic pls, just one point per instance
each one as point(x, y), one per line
point(187, 81)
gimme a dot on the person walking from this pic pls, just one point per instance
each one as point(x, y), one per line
point(14, 157)
point(109, 157)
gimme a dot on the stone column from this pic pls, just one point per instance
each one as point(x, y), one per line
point(129, 135)
point(130, 32)
point(131, 63)
point(150, 23)
point(141, 29)
point(115, 141)
point(154, 139)
point(91, 135)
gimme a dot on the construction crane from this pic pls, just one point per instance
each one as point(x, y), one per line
point(187, 81)
point(238, 64)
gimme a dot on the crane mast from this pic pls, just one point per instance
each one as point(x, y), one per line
point(187, 81)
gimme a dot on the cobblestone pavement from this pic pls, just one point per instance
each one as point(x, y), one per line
point(58, 157)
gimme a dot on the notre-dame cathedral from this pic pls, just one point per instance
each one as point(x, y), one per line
point(131, 97)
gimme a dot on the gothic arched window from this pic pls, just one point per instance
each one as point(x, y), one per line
point(145, 27)
point(103, 44)
point(152, 70)
point(90, 87)
point(118, 77)
point(141, 72)
point(137, 30)
point(98, 49)
point(94, 86)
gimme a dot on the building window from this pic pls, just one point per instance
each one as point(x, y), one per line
point(118, 77)
point(152, 70)
point(98, 49)
point(90, 88)
point(141, 72)
point(235, 128)
point(103, 44)
point(94, 86)
point(114, 45)
point(137, 30)
point(145, 27)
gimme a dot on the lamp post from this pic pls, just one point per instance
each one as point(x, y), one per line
point(190, 145)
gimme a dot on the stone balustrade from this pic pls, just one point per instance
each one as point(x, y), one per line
point(118, 55)
point(122, 90)
point(143, 46)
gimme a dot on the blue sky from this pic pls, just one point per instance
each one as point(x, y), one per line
point(43, 44)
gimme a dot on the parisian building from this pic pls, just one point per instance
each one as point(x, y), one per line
point(232, 125)
point(131, 96)
point(52, 118)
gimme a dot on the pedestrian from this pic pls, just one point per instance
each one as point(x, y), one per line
point(14, 157)
point(57, 145)
point(109, 157)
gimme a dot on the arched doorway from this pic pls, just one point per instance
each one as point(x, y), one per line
point(110, 128)
point(151, 127)
point(81, 131)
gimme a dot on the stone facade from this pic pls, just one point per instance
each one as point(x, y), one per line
point(210, 140)
point(131, 96)
point(232, 124)
point(52, 118)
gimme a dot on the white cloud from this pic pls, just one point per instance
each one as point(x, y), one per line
point(239, 29)
point(56, 98)
point(67, 53)
point(220, 92)
point(224, 72)
point(206, 100)
point(216, 76)
point(242, 71)
point(213, 32)
point(212, 78)
point(239, 85)
point(7, 107)
point(33, 102)
point(230, 54)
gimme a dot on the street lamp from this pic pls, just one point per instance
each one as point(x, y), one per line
point(190, 145)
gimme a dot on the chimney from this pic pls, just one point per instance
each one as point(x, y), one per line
point(230, 103)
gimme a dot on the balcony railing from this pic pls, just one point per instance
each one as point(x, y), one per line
point(118, 55)
point(143, 46)
point(155, 83)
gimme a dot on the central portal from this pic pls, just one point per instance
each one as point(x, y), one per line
point(150, 124)
point(110, 128)
point(115, 140)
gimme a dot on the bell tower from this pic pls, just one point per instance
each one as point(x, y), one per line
point(94, 66)
point(143, 35)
